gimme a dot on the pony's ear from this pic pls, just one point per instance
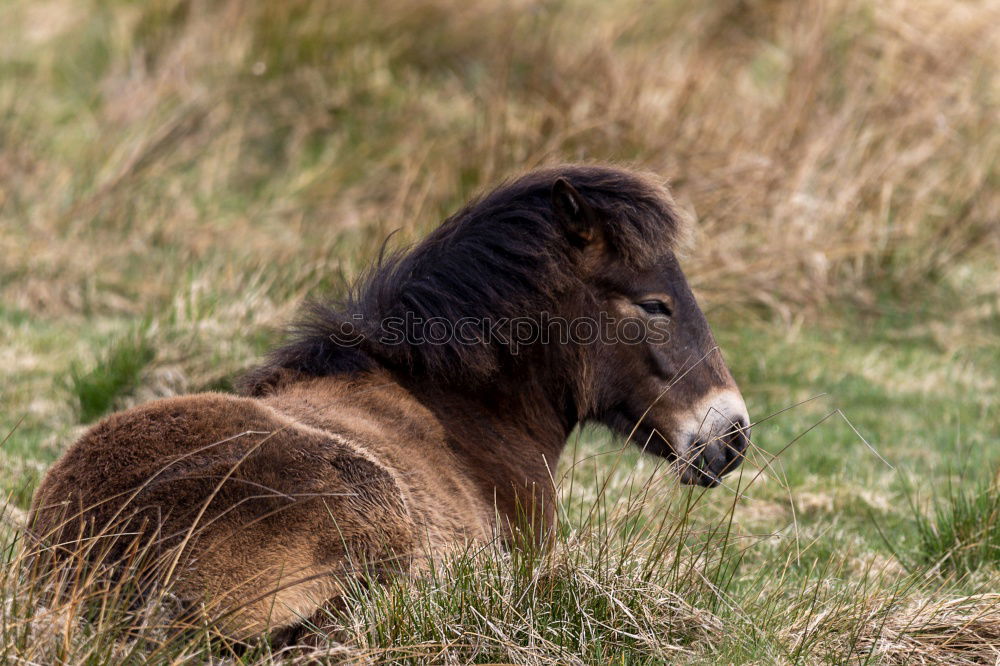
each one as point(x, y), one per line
point(575, 214)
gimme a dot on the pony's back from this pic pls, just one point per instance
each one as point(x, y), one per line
point(251, 519)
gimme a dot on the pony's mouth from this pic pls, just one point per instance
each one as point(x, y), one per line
point(694, 469)
point(700, 461)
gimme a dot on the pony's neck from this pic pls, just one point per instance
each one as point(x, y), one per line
point(505, 439)
point(509, 439)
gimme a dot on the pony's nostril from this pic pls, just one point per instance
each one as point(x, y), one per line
point(735, 443)
point(741, 435)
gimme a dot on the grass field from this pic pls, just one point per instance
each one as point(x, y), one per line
point(177, 176)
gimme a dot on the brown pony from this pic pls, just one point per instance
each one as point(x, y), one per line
point(425, 411)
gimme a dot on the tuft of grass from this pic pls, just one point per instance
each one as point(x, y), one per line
point(116, 373)
point(960, 532)
point(569, 606)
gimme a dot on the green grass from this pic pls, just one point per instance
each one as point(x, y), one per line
point(116, 373)
point(960, 532)
point(577, 605)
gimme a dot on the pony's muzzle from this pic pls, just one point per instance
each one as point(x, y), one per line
point(711, 457)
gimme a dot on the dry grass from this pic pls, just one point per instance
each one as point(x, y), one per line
point(959, 631)
point(818, 146)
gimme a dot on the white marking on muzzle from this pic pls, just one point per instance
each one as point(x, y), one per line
point(717, 413)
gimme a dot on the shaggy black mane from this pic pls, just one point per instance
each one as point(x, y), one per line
point(504, 255)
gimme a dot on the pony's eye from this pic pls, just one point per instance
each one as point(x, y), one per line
point(655, 308)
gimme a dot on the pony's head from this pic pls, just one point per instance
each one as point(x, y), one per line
point(654, 371)
point(561, 285)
